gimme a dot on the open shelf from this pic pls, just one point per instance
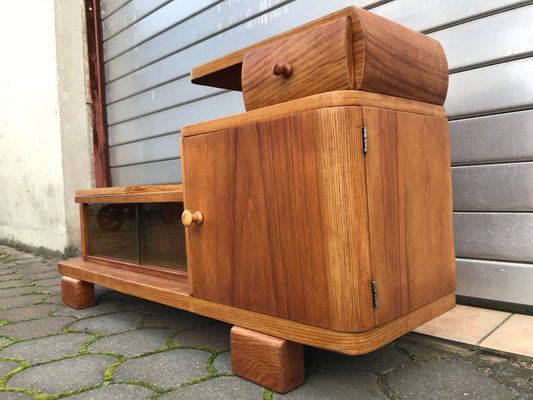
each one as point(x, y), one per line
point(134, 227)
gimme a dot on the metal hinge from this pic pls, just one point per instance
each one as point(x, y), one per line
point(365, 139)
point(375, 294)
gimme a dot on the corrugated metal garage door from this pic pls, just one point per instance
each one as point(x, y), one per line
point(150, 47)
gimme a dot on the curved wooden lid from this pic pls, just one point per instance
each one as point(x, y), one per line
point(388, 59)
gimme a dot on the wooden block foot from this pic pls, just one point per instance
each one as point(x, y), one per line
point(266, 360)
point(77, 294)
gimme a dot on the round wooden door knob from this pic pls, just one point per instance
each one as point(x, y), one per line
point(284, 69)
point(187, 218)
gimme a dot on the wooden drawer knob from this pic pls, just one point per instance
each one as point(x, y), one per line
point(284, 69)
point(187, 218)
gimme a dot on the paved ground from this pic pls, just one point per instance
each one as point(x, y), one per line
point(127, 348)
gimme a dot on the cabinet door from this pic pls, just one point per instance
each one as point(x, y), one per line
point(410, 209)
point(285, 228)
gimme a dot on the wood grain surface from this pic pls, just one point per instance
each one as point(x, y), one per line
point(410, 209)
point(76, 293)
point(174, 293)
point(320, 60)
point(268, 361)
point(388, 59)
point(131, 194)
point(84, 231)
point(286, 226)
point(323, 100)
point(175, 273)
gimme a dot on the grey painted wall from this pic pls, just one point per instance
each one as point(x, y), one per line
point(150, 47)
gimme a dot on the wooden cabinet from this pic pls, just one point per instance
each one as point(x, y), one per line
point(306, 219)
point(322, 216)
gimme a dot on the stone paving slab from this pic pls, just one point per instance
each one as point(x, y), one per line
point(135, 328)
point(45, 275)
point(53, 299)
point(337, 384)
point(217, 389)
point(64, 375)
point(18, 301)
point(177, 320)
point(14, 283)
point(33, 266)
point(380, 361)
point(47, 348)
point(115, 392)
point(15, 396)
point(36, 328)
point(446, 379)
point(108, 324)
point(7, 366)
point(50, 290)
point(223, 363)
point(216, 336)
point(47, 282)
point(167, 369)
point(132, 343)
point(15, 292)
point(101, 307)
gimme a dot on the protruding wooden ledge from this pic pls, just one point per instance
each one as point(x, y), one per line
point(131, 194)
point(388, 59)
point(175, 293)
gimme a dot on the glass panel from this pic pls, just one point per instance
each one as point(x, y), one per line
point(163, 236)
point(113, 231)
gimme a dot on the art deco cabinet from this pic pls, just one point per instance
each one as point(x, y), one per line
point(321, 216)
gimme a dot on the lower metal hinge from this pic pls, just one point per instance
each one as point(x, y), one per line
point(375, 294)
point(365, 139)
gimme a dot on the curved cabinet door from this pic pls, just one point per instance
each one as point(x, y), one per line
point(285, 224)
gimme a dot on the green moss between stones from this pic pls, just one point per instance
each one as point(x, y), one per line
point(7, 258)
point(110, 371)
point(268, 394)
point(147, 385)
point(37, 395)
point(23, 365)
point(85, 347)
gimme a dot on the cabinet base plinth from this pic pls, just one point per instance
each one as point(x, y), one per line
point(175, 293)
point(267, 360)
point(76, 293)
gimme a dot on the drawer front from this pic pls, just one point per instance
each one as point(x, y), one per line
point(285, 229)
point(314, 61)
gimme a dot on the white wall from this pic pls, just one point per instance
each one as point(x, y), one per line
point(44, 145)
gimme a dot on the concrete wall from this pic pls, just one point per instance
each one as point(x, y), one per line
point(44, 129)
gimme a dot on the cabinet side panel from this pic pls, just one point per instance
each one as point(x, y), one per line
point(410, 210)
point(285, 227)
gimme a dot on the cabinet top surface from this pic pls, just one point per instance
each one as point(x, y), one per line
point(323, 100)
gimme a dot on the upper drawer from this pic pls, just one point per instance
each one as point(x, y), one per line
point(385, 58)
point(314, 61)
